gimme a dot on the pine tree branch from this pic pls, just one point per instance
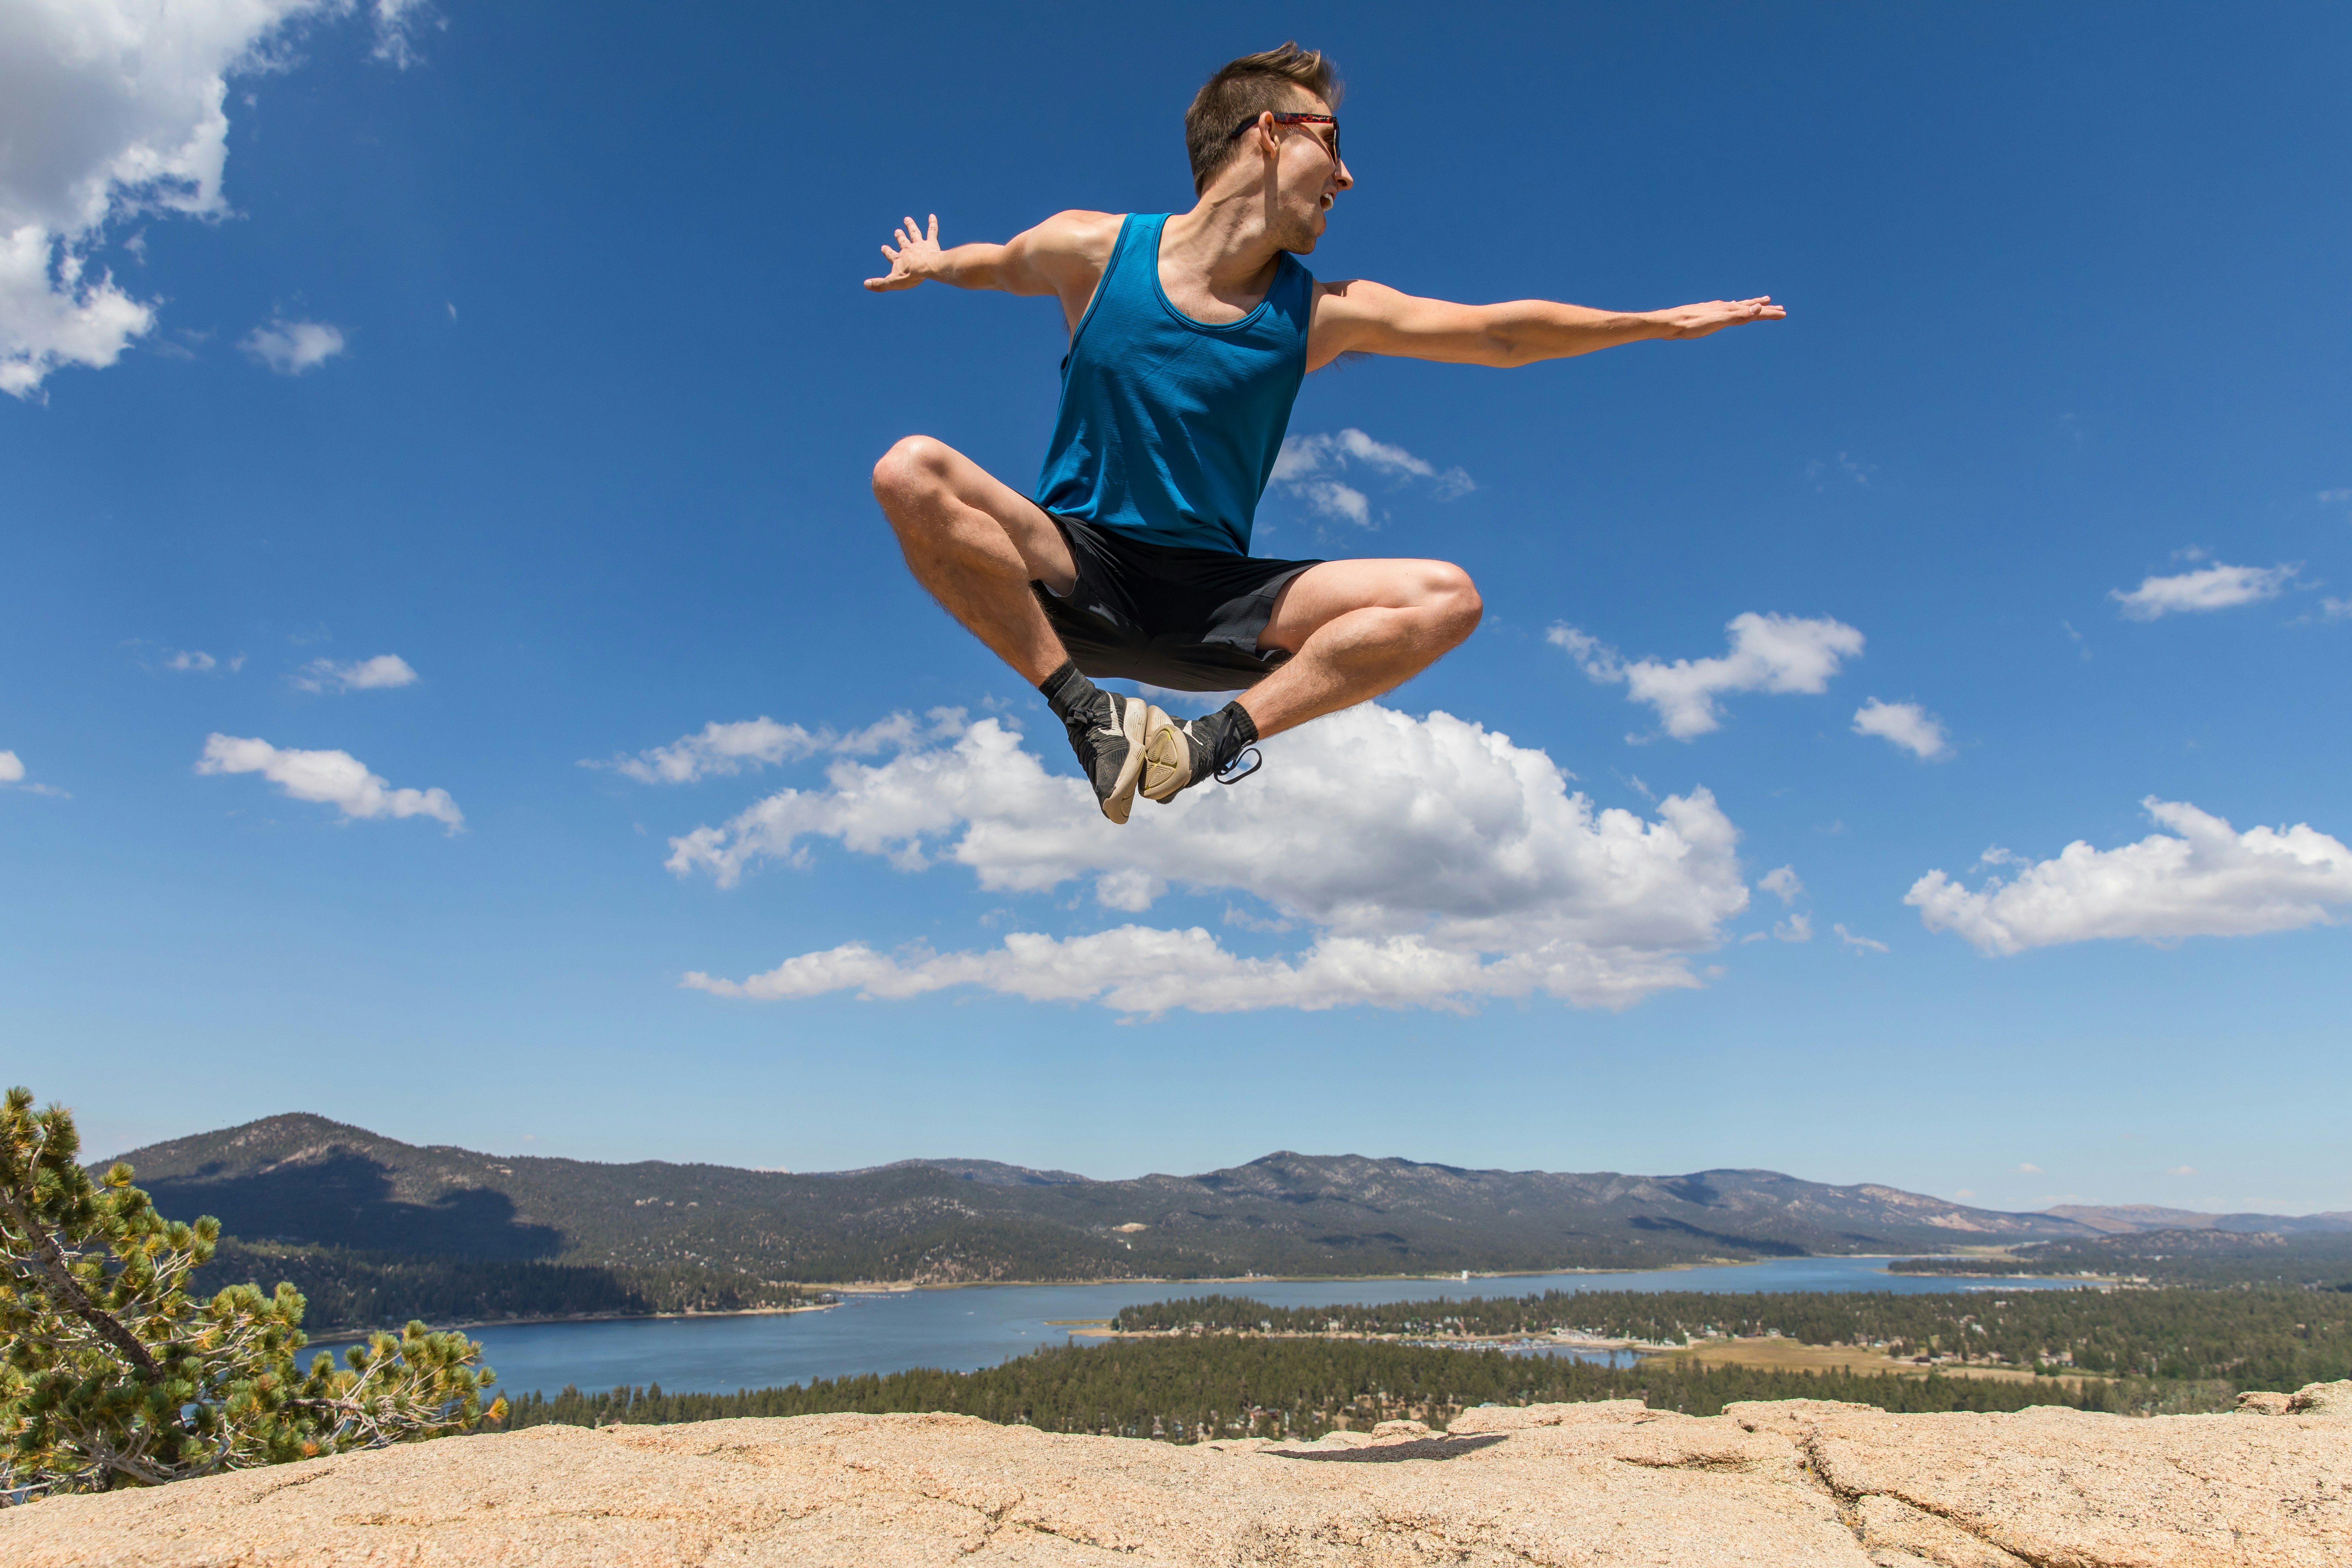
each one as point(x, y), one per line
point(52, 1264)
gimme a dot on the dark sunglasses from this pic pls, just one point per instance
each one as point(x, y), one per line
point(1330, 120)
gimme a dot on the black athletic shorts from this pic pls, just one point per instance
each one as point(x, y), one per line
point(1185, 619)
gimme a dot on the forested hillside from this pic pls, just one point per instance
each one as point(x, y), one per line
point(2198, 1256)
point(308, 1180)
point(347, 1290)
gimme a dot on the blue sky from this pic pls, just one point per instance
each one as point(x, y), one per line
point(521, 346)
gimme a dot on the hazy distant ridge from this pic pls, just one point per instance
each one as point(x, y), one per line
point(303, 1178)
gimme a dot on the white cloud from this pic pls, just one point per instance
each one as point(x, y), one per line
point(1859, 943)
point(1435, 862)
point(335, 778)
point(109, 108)
point(1797, 927)
point(1907, 724)
point(2215, 587)
point(289, 348)
point(1308, 464)
point(382, 673)
point(2181, 1171)
point(726, 748)
point(2030, 1171)
point(12, 768)
point(1966, 1194)
point(2334, 497)
point(2201, 879)
point(397, 23)
point(1768, 653)
point(1782, 884)
point(2336, 609)
point(190, 659)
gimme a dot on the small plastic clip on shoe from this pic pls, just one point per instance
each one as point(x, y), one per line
point(1233, 772)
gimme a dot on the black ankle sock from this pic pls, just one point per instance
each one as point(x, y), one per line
point(1233, 732)
point(1068, 693)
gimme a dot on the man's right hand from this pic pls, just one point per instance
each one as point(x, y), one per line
point(917, 258)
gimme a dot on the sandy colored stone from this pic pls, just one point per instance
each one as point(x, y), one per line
point(1607, 1483)
point(2056, 1486)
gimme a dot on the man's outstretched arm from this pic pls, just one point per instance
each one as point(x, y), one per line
point(1364, 317)
point(1065, 255)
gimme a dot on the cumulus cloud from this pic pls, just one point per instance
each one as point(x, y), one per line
point(384, 671)
point(1768, 653)
point(754, 743)
point(2214, 587)
point(12, 768)
point(2202, 878)
point(335, 778)
point(1907, 724)
point(1435, 862)
point(2029, 1169)
point(115, 109)
point(289, 348)
point(107, 108)
point(1309, 466)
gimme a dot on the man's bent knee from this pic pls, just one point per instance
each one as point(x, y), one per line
point(1455, 600)
point(914, 468)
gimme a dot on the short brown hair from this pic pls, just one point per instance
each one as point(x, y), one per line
point(1245, 89)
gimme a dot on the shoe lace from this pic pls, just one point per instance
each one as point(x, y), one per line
point(1233, 772)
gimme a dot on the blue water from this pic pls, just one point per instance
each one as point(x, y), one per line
point(978, 1326)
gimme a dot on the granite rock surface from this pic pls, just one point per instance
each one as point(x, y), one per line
point(1795, 1482)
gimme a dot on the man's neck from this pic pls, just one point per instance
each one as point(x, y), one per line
point(1224, 246)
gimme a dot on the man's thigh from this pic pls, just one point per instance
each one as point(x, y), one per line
point(1041, 545)
point(1323, 594)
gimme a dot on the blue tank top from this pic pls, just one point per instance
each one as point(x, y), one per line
point(1169, 427)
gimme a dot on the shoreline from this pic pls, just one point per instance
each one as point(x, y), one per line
point(356, 1336)
point(906, 1288)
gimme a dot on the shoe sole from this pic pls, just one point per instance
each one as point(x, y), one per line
point(1167, 759)
point(1135, 724)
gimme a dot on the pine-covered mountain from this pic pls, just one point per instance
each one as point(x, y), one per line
point(304, 1179)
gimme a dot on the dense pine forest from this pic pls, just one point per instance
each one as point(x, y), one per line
point(2321, 1260)
point(348, 1290)
point(2254, 1338)
point(1184, 1390)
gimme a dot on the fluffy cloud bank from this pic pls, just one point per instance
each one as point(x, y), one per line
point(110, 109)
point(2214, 587)
point(2200, 880)
point(1907, 725)
point(1768, 653)
point(1309, 466)
point(335, 778)
point(1437, 862)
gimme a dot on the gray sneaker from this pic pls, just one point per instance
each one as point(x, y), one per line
point(1108, 738)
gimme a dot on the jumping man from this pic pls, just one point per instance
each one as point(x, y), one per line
point(1190, 333)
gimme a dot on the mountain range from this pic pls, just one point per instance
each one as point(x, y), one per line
point(304, 1180)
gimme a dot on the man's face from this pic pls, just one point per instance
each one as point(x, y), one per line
point(1308, 176)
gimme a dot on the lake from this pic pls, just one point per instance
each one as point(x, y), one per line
point(980, 1325)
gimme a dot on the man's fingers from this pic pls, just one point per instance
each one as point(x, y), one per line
point(934, 234)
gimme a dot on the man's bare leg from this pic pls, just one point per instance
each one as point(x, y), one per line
point(977, 543)
point(1355, 629)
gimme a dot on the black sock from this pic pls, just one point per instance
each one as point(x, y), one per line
point(1232, 732)
point(1071, 696)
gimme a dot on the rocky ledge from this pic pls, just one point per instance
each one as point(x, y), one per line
point(1796, 1482)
